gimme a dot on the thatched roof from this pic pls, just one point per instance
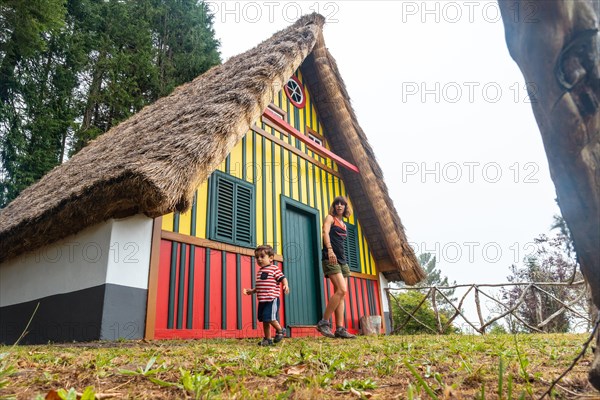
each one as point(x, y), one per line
point(153, 162)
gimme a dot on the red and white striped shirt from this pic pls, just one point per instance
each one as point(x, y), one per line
point(267, 282)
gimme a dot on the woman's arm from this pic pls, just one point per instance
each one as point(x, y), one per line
point(326, 228)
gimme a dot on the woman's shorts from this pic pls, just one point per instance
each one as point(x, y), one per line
point(330, 269)
point(268, 310)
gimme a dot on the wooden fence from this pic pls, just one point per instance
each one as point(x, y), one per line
point(435, 294)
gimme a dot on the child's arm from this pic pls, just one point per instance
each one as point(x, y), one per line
point(249, 291)
point(286, 288)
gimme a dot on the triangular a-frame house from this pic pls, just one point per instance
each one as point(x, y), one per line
point(149, 231)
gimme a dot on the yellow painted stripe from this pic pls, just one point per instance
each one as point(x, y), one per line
point(363, 264)
point(269, 207)
point(277, 187)
point(259, 193)
point(235, 161)
point(167, 222)
point(249, 166)
point(202, 210)
point(185, 220)
point(373, 265)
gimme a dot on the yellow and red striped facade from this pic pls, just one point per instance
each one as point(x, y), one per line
point(199, 281)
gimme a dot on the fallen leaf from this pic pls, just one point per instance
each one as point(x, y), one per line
point(294, 369)
point(355, 392)
point(52, 395)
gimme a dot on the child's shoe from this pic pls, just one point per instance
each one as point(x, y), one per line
point(265, 342)
point(279, 336)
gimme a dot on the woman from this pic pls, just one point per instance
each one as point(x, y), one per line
point(335, 267)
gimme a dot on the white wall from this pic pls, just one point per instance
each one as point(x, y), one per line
point(115, 251)
point(383, 284)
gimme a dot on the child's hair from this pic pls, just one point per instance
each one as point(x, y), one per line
point(340, 199)
point(265, 248)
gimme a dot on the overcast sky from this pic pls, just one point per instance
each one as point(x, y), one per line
point(446, 111)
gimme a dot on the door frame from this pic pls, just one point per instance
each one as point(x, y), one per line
point(289, 203)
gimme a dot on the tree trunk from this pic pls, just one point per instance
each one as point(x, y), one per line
point(555, 43)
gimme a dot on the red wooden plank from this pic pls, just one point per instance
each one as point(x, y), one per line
point(185, 278)
point(231, 294)
point(198, 298)
point(271, 116)
point(247, 330)
point(215, 290)
point(162, 295)
point(355, 303)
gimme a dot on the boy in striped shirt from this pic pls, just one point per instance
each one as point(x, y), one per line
point(268, 279)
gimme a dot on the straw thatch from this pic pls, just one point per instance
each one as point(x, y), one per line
point(153, 162)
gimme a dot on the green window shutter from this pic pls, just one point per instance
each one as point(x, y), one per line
point(225, 212)
point(231, 218)
point(244, 227)
point(351, 248)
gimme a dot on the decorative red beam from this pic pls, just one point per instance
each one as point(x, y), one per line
point(274, 118)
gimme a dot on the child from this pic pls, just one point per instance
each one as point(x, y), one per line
point(268, 278)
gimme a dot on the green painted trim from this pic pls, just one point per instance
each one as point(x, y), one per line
point(209, 206)
point(244, 158)
point(176, 221)
point(194, 214)
point(364, 303)
point(190, 302)
point(290, 165)
point(228, 164)
point(274, 197)
point(253, 158)
point(207, 289)
point(308, 197)
point(371, 292)
point(264, 187)
point(323, 209)
point(172, 282)
point(238, 289)
point(180, 297)
point(223, 290)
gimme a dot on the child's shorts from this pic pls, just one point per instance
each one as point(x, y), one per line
point(268, 310)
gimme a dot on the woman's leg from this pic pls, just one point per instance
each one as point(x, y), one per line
point(336, 301)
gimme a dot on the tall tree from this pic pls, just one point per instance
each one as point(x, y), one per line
point(27, 128)
point(72, 69)
point(553, 261)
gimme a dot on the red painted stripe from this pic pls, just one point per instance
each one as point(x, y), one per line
point(231, 294)
point(162, 290)
point(362, 293)
point(247, 301)
point(185, 278)
point(271, 116)
point(215, 290)
point(377, 299)
point(356, 303)
point(198, 318)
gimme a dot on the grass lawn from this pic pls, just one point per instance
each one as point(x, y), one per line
point(385, 367)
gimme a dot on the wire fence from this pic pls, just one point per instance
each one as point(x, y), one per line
point(516, 306)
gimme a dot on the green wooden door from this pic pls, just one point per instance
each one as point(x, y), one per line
point(301, 263)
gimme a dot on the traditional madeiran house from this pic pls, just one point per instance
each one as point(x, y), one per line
point(149, 231)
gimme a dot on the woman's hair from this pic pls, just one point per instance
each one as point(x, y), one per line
point(265, 248)
point(340, 199)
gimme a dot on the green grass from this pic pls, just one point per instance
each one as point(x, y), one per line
point(404, 367)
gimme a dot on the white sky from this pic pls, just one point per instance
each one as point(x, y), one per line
point(433, 86)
